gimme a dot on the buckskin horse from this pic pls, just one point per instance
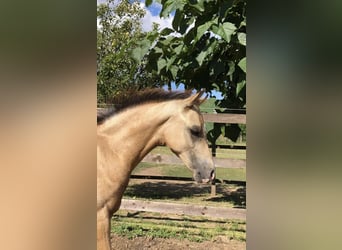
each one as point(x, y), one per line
point(143, 121)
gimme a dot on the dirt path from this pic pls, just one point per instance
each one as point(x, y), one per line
point(141, 243)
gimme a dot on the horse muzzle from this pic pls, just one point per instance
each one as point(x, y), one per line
point(199, 178)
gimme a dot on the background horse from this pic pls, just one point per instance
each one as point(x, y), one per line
point(143, 121)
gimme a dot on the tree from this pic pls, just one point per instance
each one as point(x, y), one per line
point(117, 35)
point(205, 48)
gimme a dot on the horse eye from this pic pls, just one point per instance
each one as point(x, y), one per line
point(196, 133)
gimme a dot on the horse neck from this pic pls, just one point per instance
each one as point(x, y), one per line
point(134, 133)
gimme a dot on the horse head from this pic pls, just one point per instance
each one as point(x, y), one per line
point(185, 135)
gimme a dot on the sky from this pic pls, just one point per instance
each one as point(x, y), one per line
point(152, 16)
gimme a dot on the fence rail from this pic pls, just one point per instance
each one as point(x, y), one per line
point(172, 159)
point(184, 209)
point(225, 118)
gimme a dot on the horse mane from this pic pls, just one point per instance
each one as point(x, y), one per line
point(134, 98)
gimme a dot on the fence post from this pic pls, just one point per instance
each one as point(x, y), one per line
point(213, 148)
point(213, 184)
point(213, 188)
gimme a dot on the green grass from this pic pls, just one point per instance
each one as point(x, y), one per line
point(162, 150)
point(194, 229)
point(238, 174)
point(231, 153)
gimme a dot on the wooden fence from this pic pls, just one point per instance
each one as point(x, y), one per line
point(172, 159)
point(184, 209)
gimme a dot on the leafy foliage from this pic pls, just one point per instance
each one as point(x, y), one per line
point(118, 34)
point(206, 48)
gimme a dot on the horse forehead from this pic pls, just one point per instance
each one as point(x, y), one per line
point(193, 117)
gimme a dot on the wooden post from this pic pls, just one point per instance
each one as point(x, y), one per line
point(213, 149)
point(213, 188)
point(213, 184)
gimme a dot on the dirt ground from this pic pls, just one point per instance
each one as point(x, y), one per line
point(141, 243)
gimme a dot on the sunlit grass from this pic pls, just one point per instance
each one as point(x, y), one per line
point(238, 174)
point(195, 229)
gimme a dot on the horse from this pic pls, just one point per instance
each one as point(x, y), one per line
point(141, 122)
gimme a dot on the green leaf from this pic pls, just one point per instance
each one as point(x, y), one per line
point(170, 61)
point(204, 27)
point(167, 42)
point(157, 50)
point(215, 86)
point(243, 23)
point(242, 64)
point(166, 31)
point(189, 37)
point(177, 20)
point(178, 49)
point(242, 38)
point(206, 52)
point(185, 24)
point(239, 87)
point(201, 56)
point(171, 5)
point(231, 68)
point(174, 70)
point(161, 64)
point(218, 68)
point(148, 3)
point(139, 52)
point(225, 30)
point(152, 35)
point(198, 5)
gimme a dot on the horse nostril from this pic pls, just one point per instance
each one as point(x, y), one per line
point(212, 175)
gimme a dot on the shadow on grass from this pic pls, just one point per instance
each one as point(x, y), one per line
point(176, 191)
point(236, 197)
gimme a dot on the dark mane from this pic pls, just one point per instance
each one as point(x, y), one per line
point(131, 99)
point(103, 115)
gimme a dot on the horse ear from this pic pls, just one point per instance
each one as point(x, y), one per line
point(196, 99)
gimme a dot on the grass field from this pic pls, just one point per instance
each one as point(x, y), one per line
point(196, 229)
point(238, 174)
